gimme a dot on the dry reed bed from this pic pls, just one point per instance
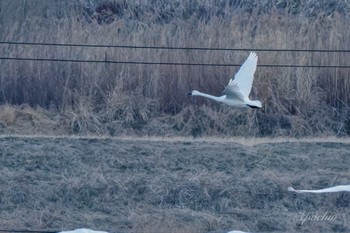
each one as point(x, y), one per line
point(116, 99)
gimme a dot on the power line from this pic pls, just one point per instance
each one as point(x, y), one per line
point(175, 48)
point(169, 63)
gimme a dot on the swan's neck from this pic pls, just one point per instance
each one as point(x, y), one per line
point(216, 98)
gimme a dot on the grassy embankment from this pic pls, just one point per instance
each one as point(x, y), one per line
point(177, 186)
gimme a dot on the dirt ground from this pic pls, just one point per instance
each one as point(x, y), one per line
point(173, 185)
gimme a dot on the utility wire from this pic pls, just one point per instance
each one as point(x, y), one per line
point(175, 48)
point(168, 63)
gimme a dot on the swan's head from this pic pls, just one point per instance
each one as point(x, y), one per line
point(194, 92)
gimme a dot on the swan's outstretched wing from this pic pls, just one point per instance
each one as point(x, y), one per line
point(237, 232)
point(82, 230)
point(245, 74)
point(338, 188)
point(233, 91)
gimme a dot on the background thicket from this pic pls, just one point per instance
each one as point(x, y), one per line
point(119, 99)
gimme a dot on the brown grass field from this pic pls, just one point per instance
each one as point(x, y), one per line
point(172, 185)
point(121, 148)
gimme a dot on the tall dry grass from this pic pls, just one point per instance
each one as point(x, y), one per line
point(151, 99)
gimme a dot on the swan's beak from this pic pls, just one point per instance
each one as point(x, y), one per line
point(189, 93)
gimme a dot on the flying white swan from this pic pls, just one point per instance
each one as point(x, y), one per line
point(238, 89)
point(237, 232)
point(82, 230)
point(338, 188)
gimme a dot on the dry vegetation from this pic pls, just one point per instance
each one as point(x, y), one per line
point(114, 99)
point(174, 185)
point(191, 186)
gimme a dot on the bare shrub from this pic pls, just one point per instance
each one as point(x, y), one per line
point(85, 119)
point(26, 120)
point(7, 115)
point(127, 110)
